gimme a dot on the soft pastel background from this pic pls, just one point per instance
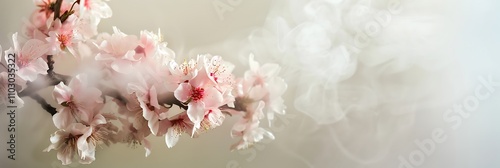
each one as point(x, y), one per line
point(392, 107)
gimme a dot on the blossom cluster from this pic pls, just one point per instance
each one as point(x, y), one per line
point(151, 94)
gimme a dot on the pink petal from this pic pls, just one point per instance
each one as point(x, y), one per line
point(78, 83)
point(122, 66)
point(164, 125)
point(82, 143)
point(154, 125)
point(153, 98)
point(34, 48)
point(183, 92)
point(257, 92)
point(216, 117)
point(98, 120)
point(63, 118)
point(78, 129)
point(201, 78)
point(62, 93)
point(212, 98)
point(146, 113)
point(27, 73)
point(40, 66)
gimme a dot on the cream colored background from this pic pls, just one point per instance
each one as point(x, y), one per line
point(192, 27)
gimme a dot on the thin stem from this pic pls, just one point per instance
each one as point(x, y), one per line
point(170, 99)
point(112, 93)
point(73, 5)
point(46, 106)
point(42, 82)
point(57, 9)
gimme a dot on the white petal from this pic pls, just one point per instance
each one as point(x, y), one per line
point(196, 113)
point(171, 137)
point(63, 118)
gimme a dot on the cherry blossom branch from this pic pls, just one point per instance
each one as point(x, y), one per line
point(57, 9)
point(171, 100)
point(46, 106)
point(55, 77)
point(112, 93)
point(40, 83)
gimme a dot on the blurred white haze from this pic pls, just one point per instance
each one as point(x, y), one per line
point(371, 83)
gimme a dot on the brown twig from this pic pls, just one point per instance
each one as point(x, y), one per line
point(170, 99)
point(57, 9)
point(112, 93)
point(46, 106)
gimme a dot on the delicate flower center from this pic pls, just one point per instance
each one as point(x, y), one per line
point(179, 126)
point(197, 94)
point(69, 145)
point(64, 39)
point(185, 68)
point(139, 50)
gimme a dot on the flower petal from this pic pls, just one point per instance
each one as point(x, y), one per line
point(196, 113)
point(63, 118)
point(212, 98)
point(183, 92)
point(171, 137)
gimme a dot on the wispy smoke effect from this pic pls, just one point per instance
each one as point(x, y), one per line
point(361, 70)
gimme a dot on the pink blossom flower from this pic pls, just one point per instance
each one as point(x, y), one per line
point(183, 72)
point(39, 18)
point(248, 127)
point(200, 95)
point(180, 124)
point(82, 139)
point(136, 133)
point(28, 59)
point(67, 141)
point(155, 114)
point(62, 36)
point(134, 127)
point(43, 13)
point(213, 118)
point(220, 73)
point(152, 44)
point(263, 83)
point(118, 50)
point(90, 14)
point(80, 102)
